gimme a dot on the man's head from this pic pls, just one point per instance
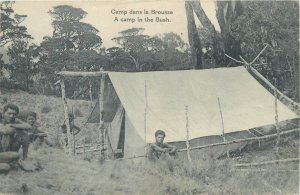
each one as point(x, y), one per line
point(31, 118)
point(160, 136)
point(10, 112)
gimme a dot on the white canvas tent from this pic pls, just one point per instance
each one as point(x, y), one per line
point(244, 102)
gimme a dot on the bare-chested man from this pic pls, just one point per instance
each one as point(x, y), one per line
point(10, 129)
point(36, 134)
point(159, 148)
point(20, 137)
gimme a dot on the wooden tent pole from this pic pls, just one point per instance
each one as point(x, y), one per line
point(233, 59)
point(259, 54)
point(145, 118)
point(187, 134)
point(70, 146)
point(101, 108)
point(90, 93)
point(84, 141)
point(276, 125)
point(223, 130)
point(73, 135)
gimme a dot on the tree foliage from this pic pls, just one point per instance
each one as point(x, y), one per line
point(145, 53)
point(23, 63)
point(10, 28)
point(21, 66)
point(227, 14)
point(74, 45)
point(276, 24)
point(246, 27)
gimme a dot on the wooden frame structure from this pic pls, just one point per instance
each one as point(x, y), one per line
point(102, 75)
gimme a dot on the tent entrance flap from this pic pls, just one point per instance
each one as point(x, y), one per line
point(111, 103)
point(134, 143)
point(116, 131)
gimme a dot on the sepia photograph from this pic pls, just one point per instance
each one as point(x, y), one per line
point(152, 97)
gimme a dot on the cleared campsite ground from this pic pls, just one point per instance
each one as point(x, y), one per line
point(73, 175)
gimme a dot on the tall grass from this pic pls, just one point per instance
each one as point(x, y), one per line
point(72, 175)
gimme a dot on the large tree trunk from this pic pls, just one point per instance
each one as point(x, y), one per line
point(227, 12)
point(218, 53)
point(194, 40)
point(197, 8)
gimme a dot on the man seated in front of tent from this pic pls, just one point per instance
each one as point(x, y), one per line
point(20, 137)
point(10, 130)
point(6, 156)
point(159, 149)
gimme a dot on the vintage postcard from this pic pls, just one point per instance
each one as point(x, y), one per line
point(149, 97)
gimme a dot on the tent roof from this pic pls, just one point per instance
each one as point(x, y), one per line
point(245, 103)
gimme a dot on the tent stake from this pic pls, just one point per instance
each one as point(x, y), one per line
point(101, 123)
point(187, 134)
point(223, 131)
point(70, 147)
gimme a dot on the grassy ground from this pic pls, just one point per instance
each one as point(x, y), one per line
point(73, 175)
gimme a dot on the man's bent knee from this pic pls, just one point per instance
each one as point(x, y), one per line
point(7, 157)
point(4, 168)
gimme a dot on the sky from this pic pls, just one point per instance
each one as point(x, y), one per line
point(101, 14)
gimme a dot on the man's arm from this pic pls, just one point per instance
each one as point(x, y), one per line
point(171, 147)
point(6, 130)
point(157, 148)
point(20, 125)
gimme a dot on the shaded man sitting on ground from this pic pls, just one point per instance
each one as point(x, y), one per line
point(160, 151)
point(20, 137)
point(13, 133)
point(35, 134)
point(74, 130)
